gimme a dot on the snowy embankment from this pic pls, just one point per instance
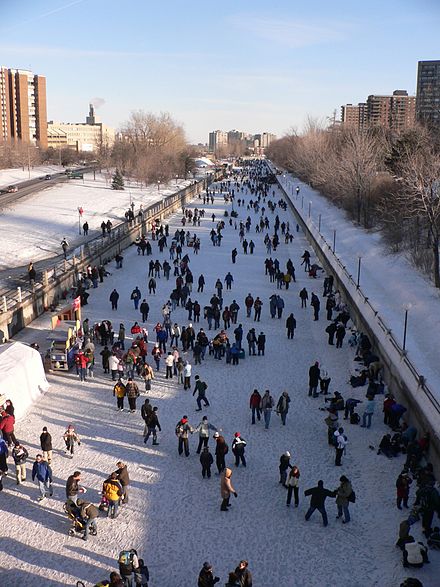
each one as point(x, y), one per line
point(389, 281)
point(39, 222)
point(13, 176)
point(174, 517)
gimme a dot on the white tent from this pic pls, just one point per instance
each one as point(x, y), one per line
point(22, 376)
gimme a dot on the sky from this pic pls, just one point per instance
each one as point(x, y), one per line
point(254, 66)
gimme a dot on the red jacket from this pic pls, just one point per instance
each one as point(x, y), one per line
point(7, 424)
point(255, 400)
point(81, 360)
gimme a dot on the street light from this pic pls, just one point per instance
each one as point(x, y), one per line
point(302, 201)
point(158, 185)
point(359, 256)
point(177, 177)
point(334, 241)
point(310, 208)
point(407, 308)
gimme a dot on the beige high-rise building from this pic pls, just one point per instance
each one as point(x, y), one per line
point(83, 136)
point(23, 113)
point(217, 140)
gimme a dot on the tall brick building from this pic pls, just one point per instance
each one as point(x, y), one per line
point(395, 112)
point(23, 111)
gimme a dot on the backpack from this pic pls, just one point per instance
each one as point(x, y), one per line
point(352, 497)
point(355, 418)
point(126, 558)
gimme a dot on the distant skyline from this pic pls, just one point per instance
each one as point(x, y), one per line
point(251, 66)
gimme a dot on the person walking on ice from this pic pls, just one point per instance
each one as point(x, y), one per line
point(226, 489)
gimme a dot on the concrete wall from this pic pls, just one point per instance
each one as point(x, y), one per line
point(400, 375)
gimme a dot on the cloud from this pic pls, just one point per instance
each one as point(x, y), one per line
point(293, 33)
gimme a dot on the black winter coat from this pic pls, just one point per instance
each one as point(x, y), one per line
point(319, 495)
point(46, 441)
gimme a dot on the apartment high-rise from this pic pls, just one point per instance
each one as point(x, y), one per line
point(402, 110)
point(23, 111)
point(350, 115)
point(428, 93)
point(378, 110)
point(394, 112)
point(217, 139)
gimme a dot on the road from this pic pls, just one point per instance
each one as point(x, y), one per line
point(31, 186)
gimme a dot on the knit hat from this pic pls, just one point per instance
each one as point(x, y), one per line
point(207, 566)
point(216, 435)
point(287, 454)
point(237, 434)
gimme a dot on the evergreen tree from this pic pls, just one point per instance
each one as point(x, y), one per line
point(117, 181)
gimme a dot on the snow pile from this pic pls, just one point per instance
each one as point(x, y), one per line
point(22, 376)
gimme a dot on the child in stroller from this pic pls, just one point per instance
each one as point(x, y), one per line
point(78, 524)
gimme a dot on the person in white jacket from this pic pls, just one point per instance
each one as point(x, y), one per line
point(169, 362)
point(113, 363)
point(340, 444)
point(187, 376)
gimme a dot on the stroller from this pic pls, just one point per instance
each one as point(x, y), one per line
point(73, 513)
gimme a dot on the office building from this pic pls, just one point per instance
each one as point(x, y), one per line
point(428, 93)
point(83, 136)
point(23, 106)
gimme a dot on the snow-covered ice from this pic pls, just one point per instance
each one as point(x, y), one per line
point(174, 517)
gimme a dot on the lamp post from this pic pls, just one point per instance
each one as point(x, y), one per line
point(319, 223)
point(302, 201)
point(177, 177)
point(407, 308)
point(334, 241)
point(359, 256)
point(158, 185)
point(310, 208)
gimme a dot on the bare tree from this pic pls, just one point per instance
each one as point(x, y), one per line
point(417, 194)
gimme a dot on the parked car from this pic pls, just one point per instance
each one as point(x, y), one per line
point(11, 189)
point(47, 176)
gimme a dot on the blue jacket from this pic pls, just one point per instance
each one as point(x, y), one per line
point(162, 336)
point(41, 471)
point(3, 447)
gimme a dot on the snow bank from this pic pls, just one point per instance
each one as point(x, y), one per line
point(22, 376)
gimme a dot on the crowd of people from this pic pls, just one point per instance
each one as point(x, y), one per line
point(136, 358)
